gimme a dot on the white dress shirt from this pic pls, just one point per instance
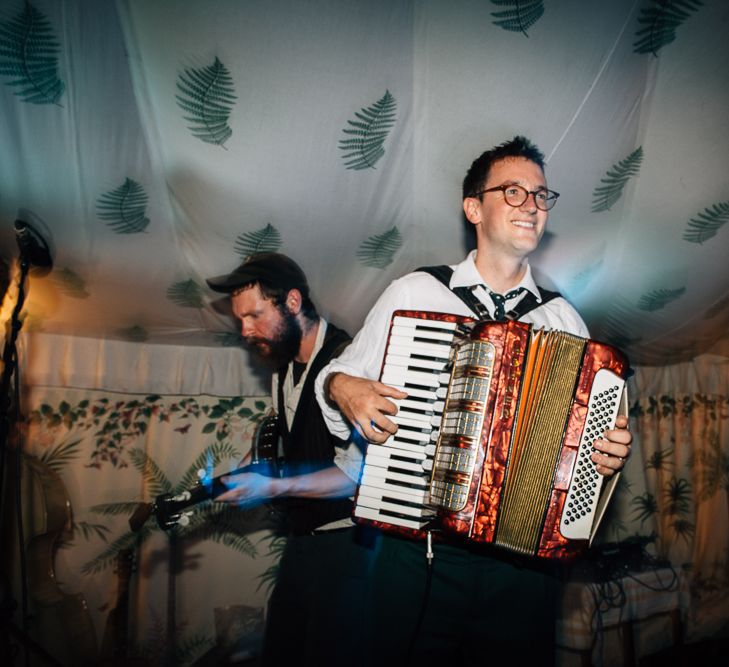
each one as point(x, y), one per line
point(420, 291)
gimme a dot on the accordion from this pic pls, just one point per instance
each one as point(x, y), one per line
point(495, 437)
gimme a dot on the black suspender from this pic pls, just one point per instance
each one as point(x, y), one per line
point(443, 274)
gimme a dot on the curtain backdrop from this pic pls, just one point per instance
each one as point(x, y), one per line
point(683, 436)
point(156, 142)
point(114, 451)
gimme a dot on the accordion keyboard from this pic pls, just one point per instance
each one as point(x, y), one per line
point(396, 474)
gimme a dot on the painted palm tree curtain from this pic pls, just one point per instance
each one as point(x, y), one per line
point(153, 143)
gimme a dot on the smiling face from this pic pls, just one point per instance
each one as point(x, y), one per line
point(503, 230)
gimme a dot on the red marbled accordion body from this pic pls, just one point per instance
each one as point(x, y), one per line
point(478, 518)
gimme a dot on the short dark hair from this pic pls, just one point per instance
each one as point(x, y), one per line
point(278, 295)
point(479, 171)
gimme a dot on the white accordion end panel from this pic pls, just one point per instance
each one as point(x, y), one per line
point(581, 511)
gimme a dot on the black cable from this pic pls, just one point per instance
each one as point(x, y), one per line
point(426, 596)
point(663, 588)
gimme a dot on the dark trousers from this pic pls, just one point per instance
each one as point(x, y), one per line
point(316, 612)
point(480, 609)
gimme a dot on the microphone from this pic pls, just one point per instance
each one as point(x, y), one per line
point(32, 246)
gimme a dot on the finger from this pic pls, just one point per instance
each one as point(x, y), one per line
point(621, 422)
point(612, 448)
point(618, 436)
point(388, 390)
point(372, 434)
point(383, 424)
point(605, 471)
point(232, 496)
point(606, 465)
point(386, 407)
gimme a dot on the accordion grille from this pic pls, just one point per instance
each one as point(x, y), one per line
point(550, 369)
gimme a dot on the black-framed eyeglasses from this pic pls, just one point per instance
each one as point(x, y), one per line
point(516, 195)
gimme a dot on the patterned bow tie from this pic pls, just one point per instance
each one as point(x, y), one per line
point(500, 299)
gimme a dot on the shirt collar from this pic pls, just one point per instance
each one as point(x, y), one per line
point(466, 275)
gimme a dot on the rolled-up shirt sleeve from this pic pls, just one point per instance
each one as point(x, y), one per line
point(362, 358)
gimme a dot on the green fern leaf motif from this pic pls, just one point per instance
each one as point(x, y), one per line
point(368, 134)
point(229, 339)
point(61, 455)
point(135, 334)
point(615, 180)
point(378, 250)
point(582, 280)
point(267, 239)
point(207, 460)
point(206, 94)
point(660, 22)
point(522, 15)
point(706, 224)
point(154, 477)
point(28, 53)
point(186, 294)
point(124, 208)
point(719, 308)
point(276, 548)
point(658, 299)
point(70, 284)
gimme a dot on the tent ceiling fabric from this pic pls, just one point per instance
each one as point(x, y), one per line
point(170, 139)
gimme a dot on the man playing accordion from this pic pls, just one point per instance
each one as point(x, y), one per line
point(481, 605)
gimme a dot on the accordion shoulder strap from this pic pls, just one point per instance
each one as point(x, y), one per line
point(443, 274)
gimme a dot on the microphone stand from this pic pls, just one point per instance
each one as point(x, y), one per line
point(10, 356)
point(10, 363)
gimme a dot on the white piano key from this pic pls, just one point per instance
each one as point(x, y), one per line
point(379, 450)
point(390, 463)
point(373, 494)
point(374, 473)
point(381, 485)
point(403, 346)
point(374, 515)
point(424, 326)
point(408, 442)
point(418, 324)
point(401, 377)
point(382, 504)
point(408, 361)
point(412, 420)
point(415, 392)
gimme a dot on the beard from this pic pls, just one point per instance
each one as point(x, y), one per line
point(283, 346)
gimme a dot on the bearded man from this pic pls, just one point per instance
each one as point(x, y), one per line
point(309, 617)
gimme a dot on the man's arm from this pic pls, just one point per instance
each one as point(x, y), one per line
point(250, 488)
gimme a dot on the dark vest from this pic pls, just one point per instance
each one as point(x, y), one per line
point(308, 446)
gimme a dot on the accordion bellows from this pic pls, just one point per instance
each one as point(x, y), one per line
point(495, 437)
